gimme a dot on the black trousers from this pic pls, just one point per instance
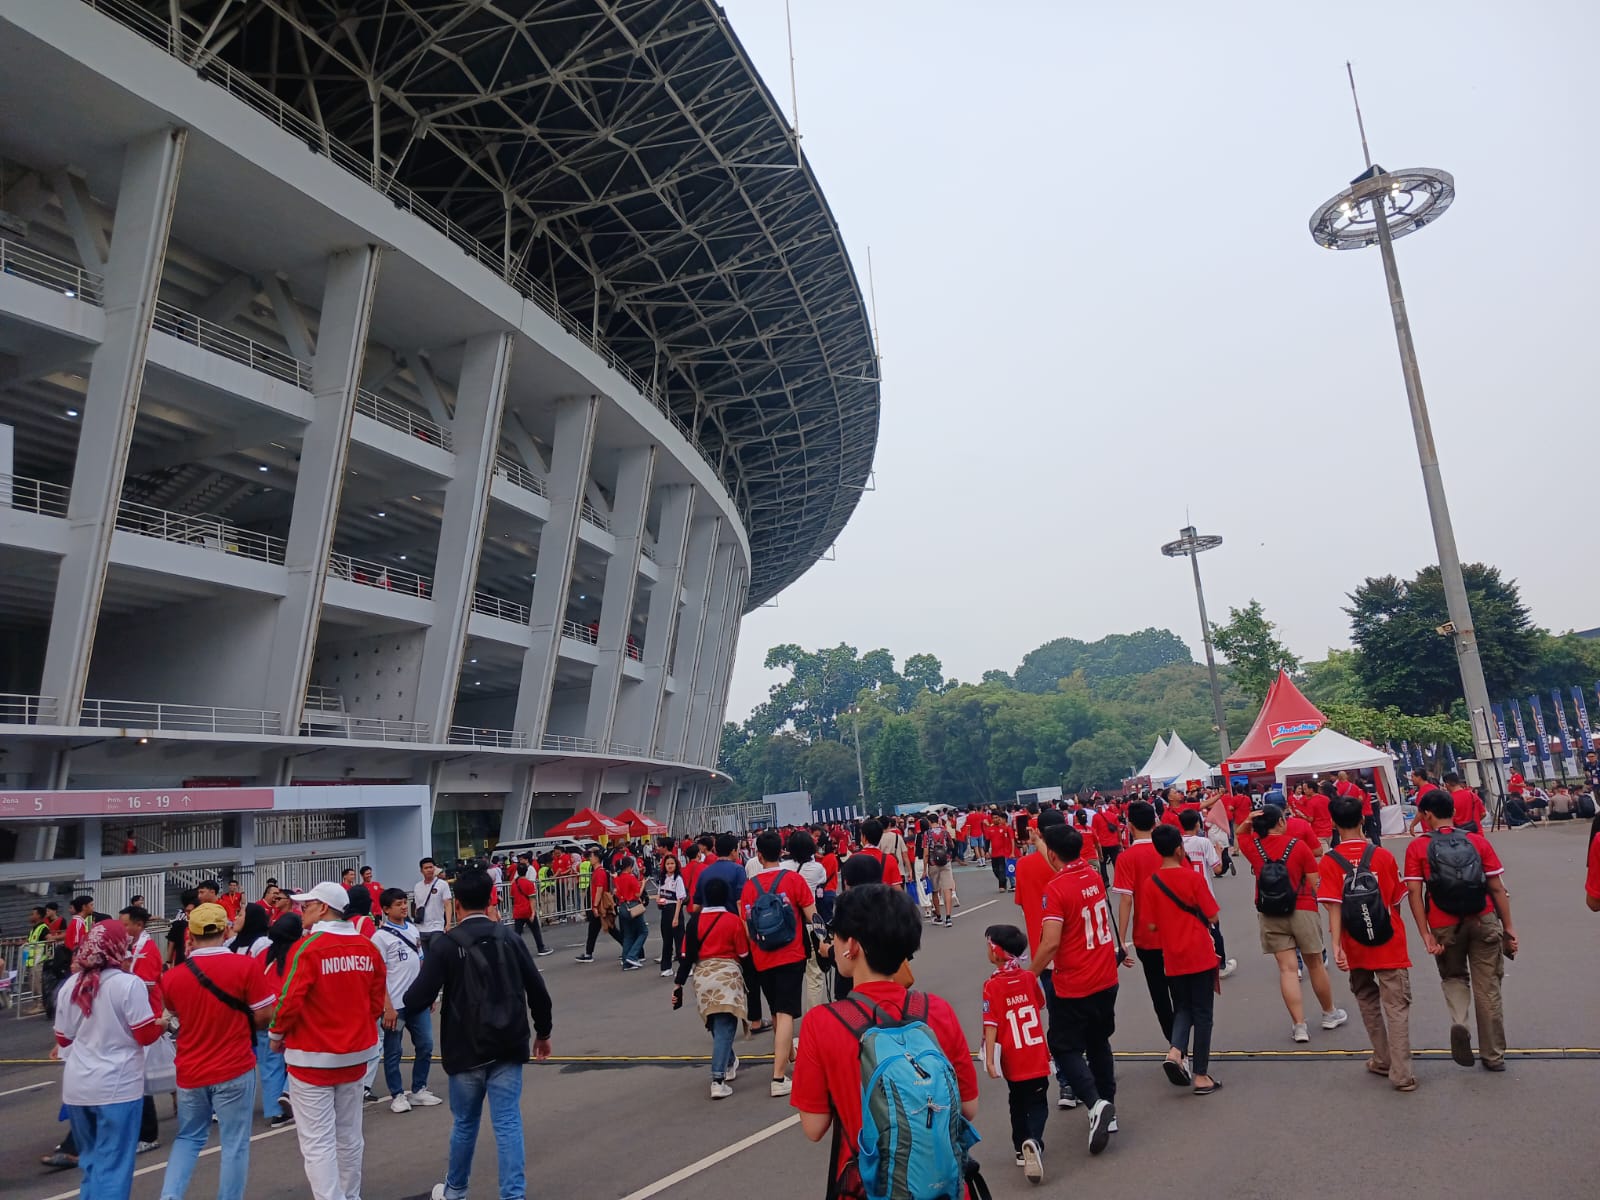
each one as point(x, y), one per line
point(1155, 978)
point(524, 924)
point(1372, 826)
point(1080, 1041)
point(998, 866)
point(752, 991)
point(1030, 1107)
point(615, 931)
point(668, 941)
point(1195, 996)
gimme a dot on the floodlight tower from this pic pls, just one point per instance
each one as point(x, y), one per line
point(1191, 544)
point(1378, 207)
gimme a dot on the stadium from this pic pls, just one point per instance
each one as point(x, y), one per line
point(405, 399)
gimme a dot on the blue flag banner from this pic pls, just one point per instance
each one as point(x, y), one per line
point(1568, 758)
point(1544, 741)
point(1530, 760)
point(1583, 719)
point(1450, 758)
point(1500, 727)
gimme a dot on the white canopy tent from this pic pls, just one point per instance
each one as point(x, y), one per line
point(1329, 751)
point(1155, 758)
point(1194, 767)
point(1175, 759)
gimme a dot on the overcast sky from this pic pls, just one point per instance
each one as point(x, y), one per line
point(1099, 308)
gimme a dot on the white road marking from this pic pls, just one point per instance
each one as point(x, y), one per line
point(961, 912)
point(694, 1168)
point(31, 1087)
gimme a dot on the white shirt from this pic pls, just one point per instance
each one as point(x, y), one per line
point(259, 946)
point(404, 962)
point(1204, 856)
point(497, 874)
point(105, 1065)
point(672, 889)
point(815, 875)
point(430, 912)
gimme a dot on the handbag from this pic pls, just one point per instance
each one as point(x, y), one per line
point(161, 1066)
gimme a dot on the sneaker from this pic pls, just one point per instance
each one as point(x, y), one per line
point(400, 1104)
point(546, 952)
point(732, 1072)
point(366, 1096)
point(1112, 1125)
point(583, 958)
point(1334, 1019)
point(667, 974)
point(1228, 968)
point(146, 1147)
point(1020, 1160)
point(423, 1098)
point(279, 1121)
point(1067, 1099)
point(437, 1193)
point(781, 1087)
point(720, 1091)
point(1299, 1034)
point(1033, 1161)
point(630, 965)
point(948, 923)
point(1461, 1046)
point(283, 1103)
point(1100, 1118)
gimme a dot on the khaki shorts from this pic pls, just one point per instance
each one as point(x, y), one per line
point(1298, 931)
point(941, 879)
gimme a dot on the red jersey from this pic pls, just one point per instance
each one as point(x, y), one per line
point(213, 1047)
point(523, 890)
point(1302, 862)
point(77, 930)
point(1392, 954)
point(1355, 792)
point(1186, 945)
point(1002, 842)
point(1417, 868)
point(1316, 811)
point(1034, 874)
point(1238, 808)
point(1086, 961)
point(1468, 807)
point(830, 864)
point(1012, 1003)
point(1591, 882)
point(147, 965)
point(1107, 829)
point(374, 890)
point(827, 1071)
point(599, 881)
point(333, 994)
point(891, 867)
point(1133, 868)
point(627, 887)
point(791, 885)
point(231, 904)
point(720, 934)
point(691, 873)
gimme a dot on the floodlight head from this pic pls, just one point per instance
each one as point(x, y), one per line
point(1407, 200)
point(1191, 542)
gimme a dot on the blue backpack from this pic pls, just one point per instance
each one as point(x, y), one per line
point(914, 1141)
point(772, 921)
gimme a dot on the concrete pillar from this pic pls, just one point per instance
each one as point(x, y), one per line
point(699, 562)
point(475, 430)
point(558, 544)
point(708, 661)
point(145, 198)
point(632, 501)
point(93, 835)
point(712, 742)
point(335, 375)
point(672, 545)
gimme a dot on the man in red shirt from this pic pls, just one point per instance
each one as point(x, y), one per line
point(232, 901)
point(218, 997)
point(1469, 812)
point(599, 886)
point(1107, 829)
point(374, 889)
point(1469, 949)
point(1002, 848)
point(780, 970)
point(871, 831)
point(1591, 881)
point(524, 895)
point(1177, 903)
point(1380, 976)
point(1076, 947)
point(1135, 865)
point(80, 922)
point(1034, 873)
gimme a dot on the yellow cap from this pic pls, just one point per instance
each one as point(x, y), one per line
point(208, 919)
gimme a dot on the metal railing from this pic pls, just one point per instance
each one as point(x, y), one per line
point(208, 533)
point(624, 748)
point(493, 606)
point(499, 739)
point(649, 551)
point(162, 837)
point(286, 829)
point(18, 709)
point(363, 729)
point(561, 742)
point(581, 633)
point(562, 898)
point(71, 280)
point(398, 416)
point(379, 575)
point(295, 875)
point(594, 516)
point(113, 895)
point(190, 718)
point(519, 475)
point(635, 651)
point(34, 495)
point(208, 335)
point(323, 699)
point(201, 60)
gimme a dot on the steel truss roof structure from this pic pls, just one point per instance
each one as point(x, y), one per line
point(626, 156)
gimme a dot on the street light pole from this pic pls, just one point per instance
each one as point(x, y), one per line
point(1378, 207)
point(861, 779)
point(1191, 544)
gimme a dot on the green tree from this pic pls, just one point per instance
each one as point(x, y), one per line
point(1101, 761)
point(829, 770)
point(1380, 725)
point(924, 673)
point(821, 685)
point(1332, 680)
point(899, 774)
point(1250, 644)
point(1403, 661)
point(1561, 661)
point(1002, 678)
point(1115, 655)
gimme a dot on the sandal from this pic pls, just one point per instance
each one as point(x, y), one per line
point(1216, 1085)
point(759, 1027)
point(1177, 1074)
point(59, 1160)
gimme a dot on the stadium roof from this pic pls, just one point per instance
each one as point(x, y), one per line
point(623, 158)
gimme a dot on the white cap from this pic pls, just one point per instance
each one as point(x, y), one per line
point(331, 894)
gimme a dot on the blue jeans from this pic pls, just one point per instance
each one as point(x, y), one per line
point(108, 1138)
point(232, 1101)
point(502, 1083)
point(634, 932)
point(420, 1026)
point(274, 1077)
point(723, 1027)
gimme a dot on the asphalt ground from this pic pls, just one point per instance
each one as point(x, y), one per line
point(622, 1112)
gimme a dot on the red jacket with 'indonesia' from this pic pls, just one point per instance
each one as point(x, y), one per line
point(333, 995)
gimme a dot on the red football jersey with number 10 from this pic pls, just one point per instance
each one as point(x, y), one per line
point(1086, 961)
point(1013, 1004)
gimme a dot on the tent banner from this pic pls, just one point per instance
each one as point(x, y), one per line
point(1292, 731)
point(1583, 718)
point(1530, 760)
point(1568, 757)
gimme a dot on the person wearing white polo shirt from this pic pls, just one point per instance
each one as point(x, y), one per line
point(433, 908)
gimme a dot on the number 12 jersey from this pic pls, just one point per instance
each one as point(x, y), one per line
point(1012, 1004)
point(1086, 960)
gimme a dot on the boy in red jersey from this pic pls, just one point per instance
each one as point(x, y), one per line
point(1077, 947)
point(1014, 1045)
point(1002, 849)
point(1177, 902)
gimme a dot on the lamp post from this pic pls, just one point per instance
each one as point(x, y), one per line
point(1191, 544)
point(1378, 207)
point(861, 779)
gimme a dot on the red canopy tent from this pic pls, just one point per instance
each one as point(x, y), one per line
point(586, 823)
point(1286, 722)
point(638, 824)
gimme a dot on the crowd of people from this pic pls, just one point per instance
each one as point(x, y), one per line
point(302, 998)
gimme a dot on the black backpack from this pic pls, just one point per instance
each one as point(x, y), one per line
point(1586, 806)
point(1276, 894)
point(489, 999)
point(1456, 881)
point(1366, 917)
point(939, 848)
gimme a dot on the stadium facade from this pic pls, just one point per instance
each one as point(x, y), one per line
point(395, 396)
